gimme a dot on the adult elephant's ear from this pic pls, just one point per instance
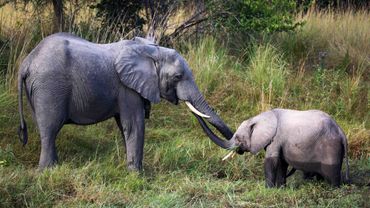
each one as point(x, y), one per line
point(263, 130)
point(137, 70)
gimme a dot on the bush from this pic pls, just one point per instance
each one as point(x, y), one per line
point(123, 14)
point(253, 16)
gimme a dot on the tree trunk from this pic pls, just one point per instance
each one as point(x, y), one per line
point(58, 15)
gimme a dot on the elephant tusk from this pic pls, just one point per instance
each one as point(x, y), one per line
point(193, 109)
point(231, 154)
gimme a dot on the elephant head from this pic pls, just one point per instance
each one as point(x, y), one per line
point(251, 136)
point(157, 72)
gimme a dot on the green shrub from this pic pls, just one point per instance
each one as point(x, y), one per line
point(123, 14)
point(253, 16)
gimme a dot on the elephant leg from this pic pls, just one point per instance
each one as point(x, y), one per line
point(132, 116)
point(134, 141)
point(119, 124)
point(281, 172)
point(331, 173)
point(319, 177)
point(270, 166)
point(50, 120)
point(308, 175)
point(311, 175)
point(48, 156)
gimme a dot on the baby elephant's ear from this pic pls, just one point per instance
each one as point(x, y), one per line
point(143, 41)
point(137, 70)
point(263, 130)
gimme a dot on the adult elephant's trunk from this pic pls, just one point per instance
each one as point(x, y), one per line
point(201, 105)
point(220, 142)
point(189, 92)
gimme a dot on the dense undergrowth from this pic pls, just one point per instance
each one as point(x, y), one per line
point(323, 65)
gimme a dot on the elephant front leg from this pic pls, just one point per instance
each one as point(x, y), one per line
point(132, 115)
point(273, 166)
point(281, 172)
point(270, 166)
point(134, 139)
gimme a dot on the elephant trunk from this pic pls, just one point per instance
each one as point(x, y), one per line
point(201, 105)
point(220, 142)
point(189, 92)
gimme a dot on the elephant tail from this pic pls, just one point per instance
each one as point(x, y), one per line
point(291, 172)
point(346, 155)
point(22, 130)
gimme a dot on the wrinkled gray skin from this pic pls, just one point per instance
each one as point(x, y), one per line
point(70, 80)
point(310, 141)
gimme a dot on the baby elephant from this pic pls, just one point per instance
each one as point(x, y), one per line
point(310, 141)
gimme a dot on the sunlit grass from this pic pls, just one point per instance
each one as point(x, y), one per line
point(343, 38)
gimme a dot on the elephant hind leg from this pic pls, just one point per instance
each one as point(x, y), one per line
point(308, 175)
point(48, 132)
point(311, 175)
point(48, 155)
point(331, 162)
point(50, 114)
point(319, 177)
point(331, 173)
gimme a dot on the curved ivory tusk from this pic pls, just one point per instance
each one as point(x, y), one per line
point(231, 154)
point(192, 108)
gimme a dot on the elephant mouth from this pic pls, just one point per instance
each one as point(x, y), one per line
point(175, 101)
point(241, 150)
point(172, 98)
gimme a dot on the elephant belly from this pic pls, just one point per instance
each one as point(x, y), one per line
point(91, 115)
point(324, 153)
point(91, 103)
point(301, 157)
point(305, 166)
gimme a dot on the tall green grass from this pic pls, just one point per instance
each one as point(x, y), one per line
point(333, 47)
point(182, 168)
point(343, 36)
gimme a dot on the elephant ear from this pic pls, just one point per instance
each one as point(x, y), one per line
point(143, 41)
point(136, 68)
point(263, 129)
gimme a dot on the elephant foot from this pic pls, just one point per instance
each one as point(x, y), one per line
point(47, 164)
point(134, 167)
point(48, 158)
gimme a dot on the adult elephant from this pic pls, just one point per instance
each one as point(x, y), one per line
point(70, 80)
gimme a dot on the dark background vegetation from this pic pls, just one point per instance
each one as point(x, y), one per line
point(247, 56)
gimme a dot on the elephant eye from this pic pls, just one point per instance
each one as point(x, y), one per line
point(177, 77)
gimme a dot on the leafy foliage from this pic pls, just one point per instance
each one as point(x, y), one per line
point(334, 4)
point(123, 14)
point(253, 16)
